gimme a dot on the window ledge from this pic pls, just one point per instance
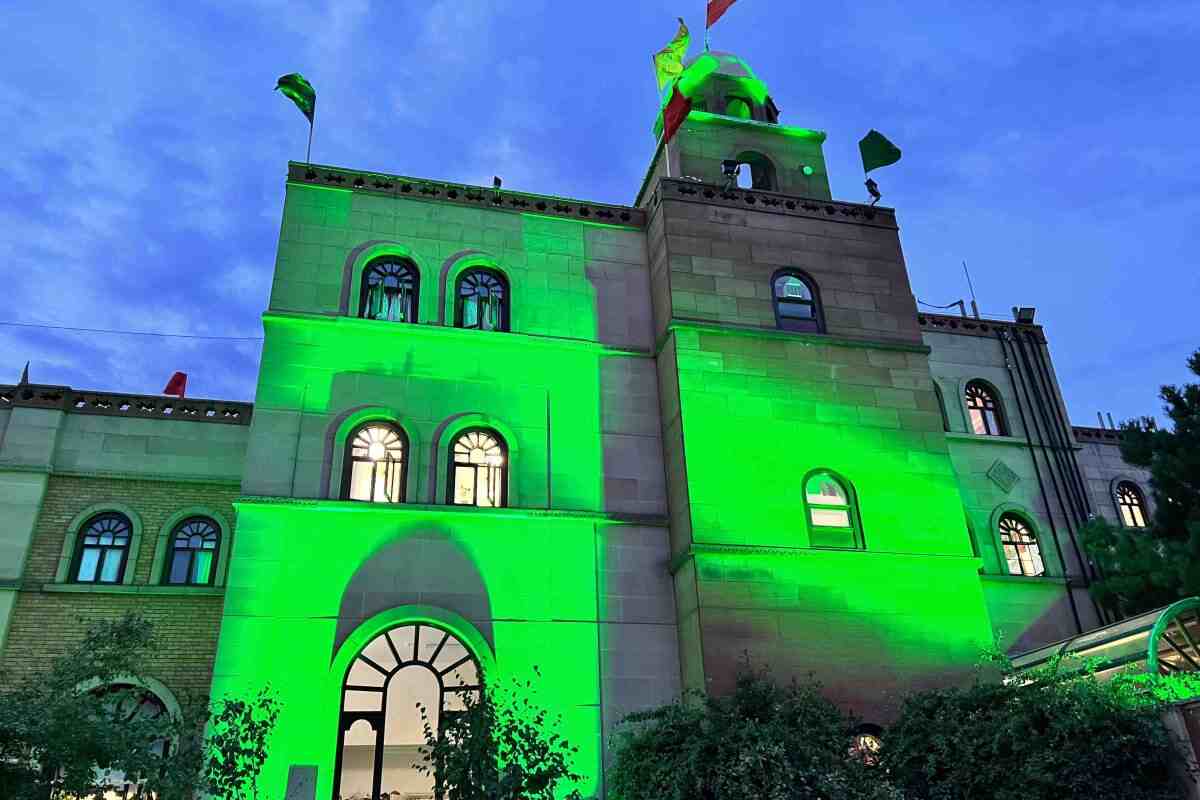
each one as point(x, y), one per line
point(143, 589)
point(1016, 441)
point(1042, 579)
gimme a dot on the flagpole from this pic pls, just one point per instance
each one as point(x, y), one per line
point(308, 152)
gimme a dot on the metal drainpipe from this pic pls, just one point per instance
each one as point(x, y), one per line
point(1070, 511)
point(1076, 473)
point(1009, 363)
point(1046, 398)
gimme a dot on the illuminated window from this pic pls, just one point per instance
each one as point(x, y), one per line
point(482, 301)
point(194, 547)
point(399, 673)
point(389, 290)
point(375, 468)
point(832, 521)
point(1021, 549)
point(103, 549)
point(796, 304)
point(984, 411)
point(866, 744)
point(478, 469)
point(1131, 504)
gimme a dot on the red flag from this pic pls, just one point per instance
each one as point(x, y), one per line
point(716, 8)
point(177, 385)
point(675, 113)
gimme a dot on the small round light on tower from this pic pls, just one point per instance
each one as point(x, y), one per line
point(375, 451)
point(807, 170)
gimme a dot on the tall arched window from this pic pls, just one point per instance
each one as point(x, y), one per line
point(481, 300)
point(399, 672)
point(760, 168)
point(376, 464)
point(1131, 504)
point(1021, 549)
point(130, 705)
point(103, 549)
point(832, 517)
point(941, 401)
point(478, 469)
point(797, 306)
point(195, 544)
point(390, 288)
point(984, 411)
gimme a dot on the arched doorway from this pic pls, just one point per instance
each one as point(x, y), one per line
point(380, 729)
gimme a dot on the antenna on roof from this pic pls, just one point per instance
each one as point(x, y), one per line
point(974, 305)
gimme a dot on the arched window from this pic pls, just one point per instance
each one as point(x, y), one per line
point(390, 288)
point(399, 673)
point(481, 300)
point(941, 401)
point(195, 544)
point(103, 549)
point(761, 169)
point(478, 469)
point(376, 464)
point(738, 107)
point(1021, 549)
point(129, 705)
point(797, 306)
point(832, 518)
point(984, 411)
point(1131, 504)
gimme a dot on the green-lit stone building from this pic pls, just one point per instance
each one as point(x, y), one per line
point(625, 445)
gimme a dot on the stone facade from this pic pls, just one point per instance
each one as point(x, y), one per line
point(660, 426)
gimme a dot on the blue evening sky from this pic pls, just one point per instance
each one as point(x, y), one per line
point(1053, 146)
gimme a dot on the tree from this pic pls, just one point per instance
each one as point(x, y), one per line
point(1146, 568)
point(501, 746)
point(762, 741)
point(86, 725)
point(1044, 736)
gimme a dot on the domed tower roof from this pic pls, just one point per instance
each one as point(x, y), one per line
point(722, 83)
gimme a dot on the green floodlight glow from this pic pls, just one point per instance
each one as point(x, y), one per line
point(807, 170)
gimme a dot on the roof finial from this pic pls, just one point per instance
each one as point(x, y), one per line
point(24, 376)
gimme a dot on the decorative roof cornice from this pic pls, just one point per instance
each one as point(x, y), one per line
point(464, 195)
point(1084, 433)
point(969, 326)
point(129, 406)
point(771, 202)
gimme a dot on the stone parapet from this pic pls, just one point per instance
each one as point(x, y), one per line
point(130, 406)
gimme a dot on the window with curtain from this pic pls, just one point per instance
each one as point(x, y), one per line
point(102, 551)
point(390, 290)
point(796, 307)
point(984, 412)
point(832, 518)
point(478, 469)
point(195, 544)
point(375, 464)
point(1022, 552)
point(481, 300)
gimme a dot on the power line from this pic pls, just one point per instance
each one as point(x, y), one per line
point(130, 333)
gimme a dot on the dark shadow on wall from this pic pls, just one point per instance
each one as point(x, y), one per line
point(423, 568)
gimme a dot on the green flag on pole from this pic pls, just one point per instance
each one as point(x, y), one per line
point(877, 151)
point(301, 93)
